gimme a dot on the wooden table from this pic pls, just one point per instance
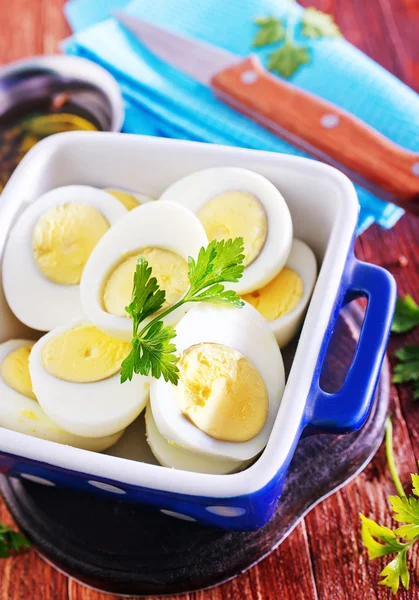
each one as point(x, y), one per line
point(323, 559)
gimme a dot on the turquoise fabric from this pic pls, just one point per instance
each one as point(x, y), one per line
point(163, 101)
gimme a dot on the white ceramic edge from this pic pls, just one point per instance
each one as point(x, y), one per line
point(92, 72)
point(298, 385)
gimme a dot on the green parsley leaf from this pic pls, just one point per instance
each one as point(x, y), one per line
point(152, 349)
point(271, 30)
point(11, 542)
point(319, 24)
point(387, 544)
point(147, 297)
point(217, 295)
point(415, 484)
point(407, 370)
point(395, 571)
point(220, 261)
point(406, 316)
point(406, 510)
point(287, 59)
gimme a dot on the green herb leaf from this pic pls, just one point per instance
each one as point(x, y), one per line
point(319, 24)
point(217, 295)
point(387, 544)
point(152, 349)
point(407, 370)
point(406, 316)
point(271, 30)
point(147, 297)
point(11, 542)
point(415, 483)
point(287, 59)
point(220, 261)
point(406, 510)
point(395, 571)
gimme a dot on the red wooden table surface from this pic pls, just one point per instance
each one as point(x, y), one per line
point(323, 558)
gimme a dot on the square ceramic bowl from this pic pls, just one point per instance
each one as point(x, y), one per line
point(324, 208)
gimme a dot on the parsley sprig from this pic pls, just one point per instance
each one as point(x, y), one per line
point(11, 542)
point(382, 541)
point(153, 351)
point(288, 58)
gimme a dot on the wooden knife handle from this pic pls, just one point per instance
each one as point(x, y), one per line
point(322, 129)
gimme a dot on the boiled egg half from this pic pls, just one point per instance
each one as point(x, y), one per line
point(19, 408)
point(165, 234)
point(170, 455)
point(75, 376)
point(283, 301)
point(232, 202)
point(47, 250)
point(231, 380)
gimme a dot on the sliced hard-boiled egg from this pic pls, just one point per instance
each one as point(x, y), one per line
point(129, 199)
point(47, 250)
point(283, 301)
point(75, 376)
point(230, 386)
point(19, 409)
point(175, 457)
point(166, 234)
point(232, 202)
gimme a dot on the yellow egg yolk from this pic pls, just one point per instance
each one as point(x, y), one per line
point(14, 371)
point(83, 355)
point(63, 239)
point(127, 199)
point(236, 214)
point(279, 297)
point(221, 392)
point(170, 270)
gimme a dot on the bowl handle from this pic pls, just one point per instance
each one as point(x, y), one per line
point(347, 409)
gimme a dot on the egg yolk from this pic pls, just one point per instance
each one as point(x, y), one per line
point(170, 270)
point(84, 355)
point(221, 392)
point(14, 371)
point(63, 239)
point(279, 297)
point(236, 214)
point(127, 199)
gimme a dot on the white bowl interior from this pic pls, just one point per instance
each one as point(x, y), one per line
point(324, 210)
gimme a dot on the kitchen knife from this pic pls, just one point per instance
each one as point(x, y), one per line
point(319, 127)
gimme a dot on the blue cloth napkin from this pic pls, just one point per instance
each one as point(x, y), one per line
point(162, 101)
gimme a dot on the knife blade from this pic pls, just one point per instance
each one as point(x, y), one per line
point(321, 128)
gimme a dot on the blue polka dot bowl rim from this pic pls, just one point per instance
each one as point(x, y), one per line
point(324, 208)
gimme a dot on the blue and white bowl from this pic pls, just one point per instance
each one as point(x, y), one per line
point(324, 208)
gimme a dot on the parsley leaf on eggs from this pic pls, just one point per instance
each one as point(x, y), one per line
point(153, 352)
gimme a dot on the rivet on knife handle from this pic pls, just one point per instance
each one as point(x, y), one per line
point(320, 128)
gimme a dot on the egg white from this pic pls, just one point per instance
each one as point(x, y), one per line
point(24, 415)
point(175, 457)
point(157, 224)
point(87, 409)
point(195, 190)
point(303, 262)
point(242, 329)
point(35, 300)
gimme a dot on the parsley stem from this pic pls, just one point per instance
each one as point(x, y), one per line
point(160, 316)
point(390, 458)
